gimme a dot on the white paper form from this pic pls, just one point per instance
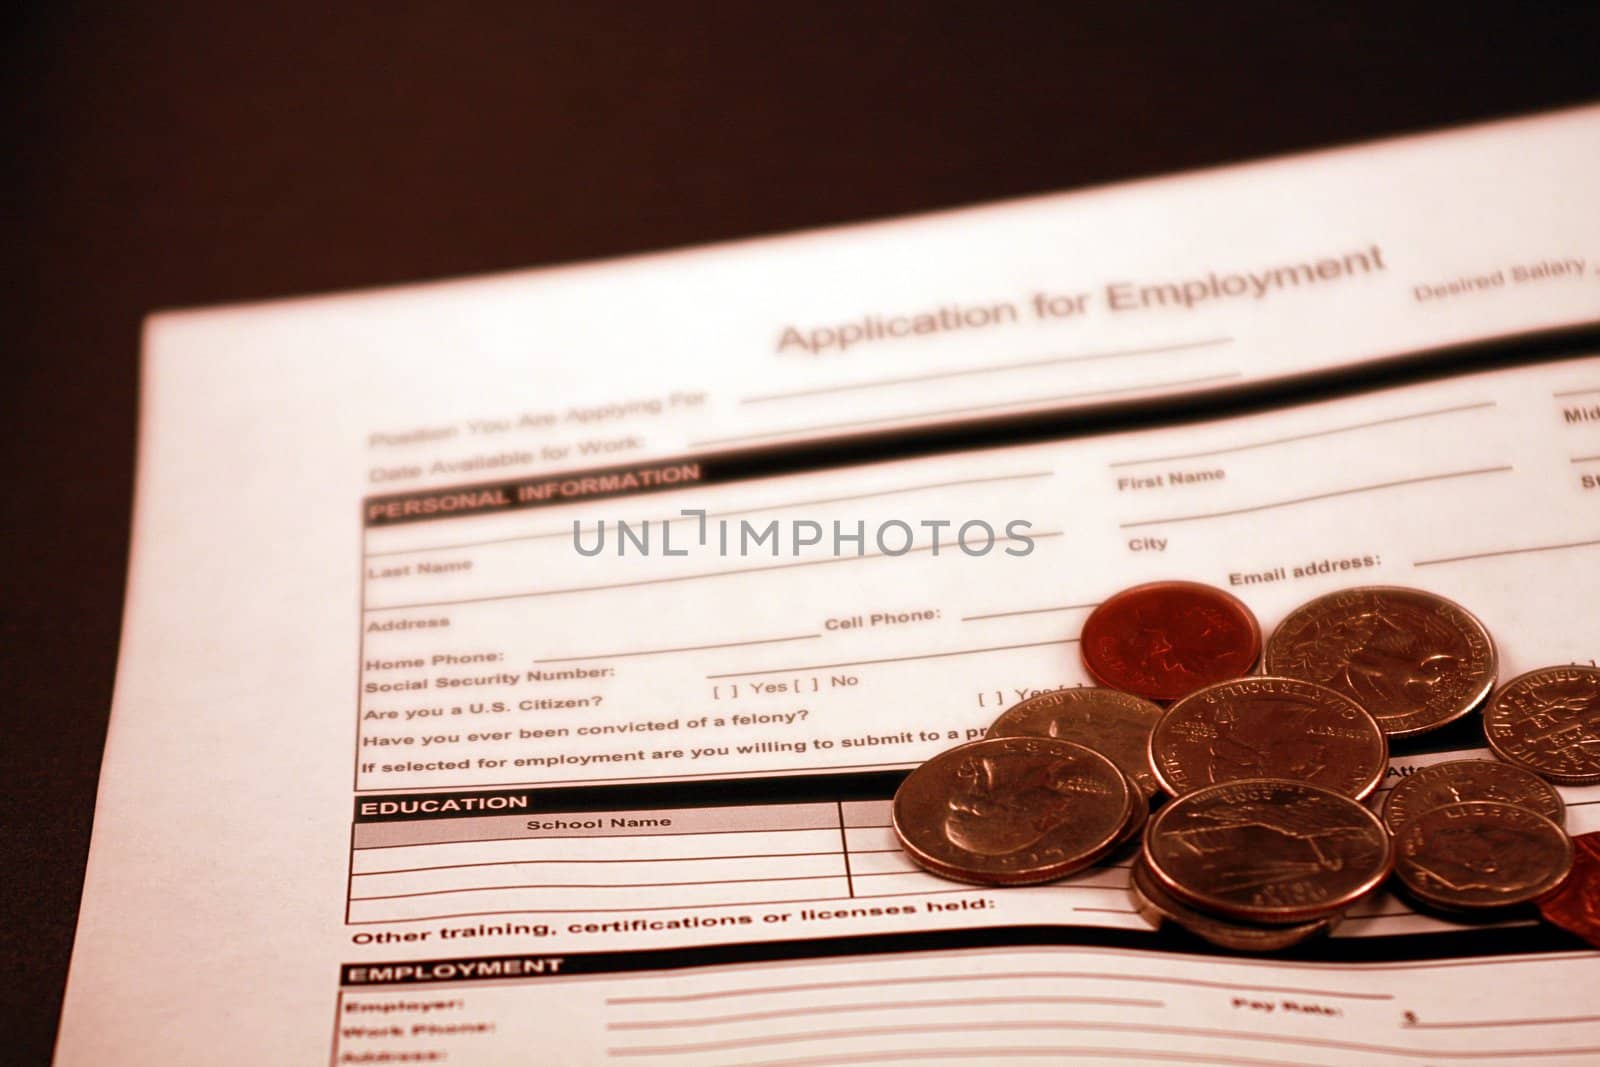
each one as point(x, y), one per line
point(537, 646)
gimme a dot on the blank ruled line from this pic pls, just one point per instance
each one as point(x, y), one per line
point(1028, 611)
point(896, 659)
point(994, 976)
point(1577, 392)
point(1475, 1024)
point(599, 885)
point(637, 859)
point(663, 907)
point(682, 648)
point(887, 420)
point(786, 505)
point(1206, 1032)
point(909, 868)
point(990, 1053)
point(1269, 442)
point(892, 1005)
point(1505, 552)
point(1586, 459)
point(731, 573)
point(995, 368)
point(1318, 496)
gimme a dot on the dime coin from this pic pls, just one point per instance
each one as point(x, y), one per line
point(1112, 723)
point(1167, 639)
point(1574, 905)
point(1432, 787)
point(1414, 660)
point(1012, 810)
point(1266, 727)
point(1267, 850)
point(1155, 905)
point(1548, 721)
point(1480, 855)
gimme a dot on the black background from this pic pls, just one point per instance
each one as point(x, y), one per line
point(196, 153)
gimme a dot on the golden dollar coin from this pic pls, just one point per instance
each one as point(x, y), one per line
point(1413, 659)
point(1112, 723)
point(1548, 721)
point(1265, 727)
point(1012, 810)
point(1267, 850)
point(1479, 855)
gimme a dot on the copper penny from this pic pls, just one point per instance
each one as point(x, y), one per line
point(1548, 721)
point(1012, 810)
point(1167, 639)
point(1268, 851)
point(1155, 905)
point(1574, 905)
point(1414, 660)
point(1480, 855)
point(1112, 723)
point(1266, 727)
point(1432, 787)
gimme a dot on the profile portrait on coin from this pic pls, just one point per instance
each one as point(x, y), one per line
point(1003, 806)
point(1482, 857)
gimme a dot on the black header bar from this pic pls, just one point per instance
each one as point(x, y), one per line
point(790, 789)
point(1454, 944)
point(881, 446)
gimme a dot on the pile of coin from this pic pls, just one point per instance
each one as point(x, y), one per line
point(1265, 841)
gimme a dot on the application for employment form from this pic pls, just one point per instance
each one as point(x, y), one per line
point(547, 646)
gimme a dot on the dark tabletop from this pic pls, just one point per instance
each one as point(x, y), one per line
point(197, 153)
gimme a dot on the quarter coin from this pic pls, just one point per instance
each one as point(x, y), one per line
point(1413, 659)
point(1164, 640)
point(1480, 855)
point(1112, 723)
point(1012, 810)
point(1155, 905)
point(1548, 721)
point(1268, 850)
point(1266, 727)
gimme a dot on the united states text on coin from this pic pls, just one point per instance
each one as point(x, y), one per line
point(1480, 855)
point(1548, 721)
point(1414, 660)
point(1574, 905)
point(1268, 850)
point(1112, 723)
point(1432, 787)
point(1156, 905)
point(1167, 639)
point(1266, 727)
point(1012, 810)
